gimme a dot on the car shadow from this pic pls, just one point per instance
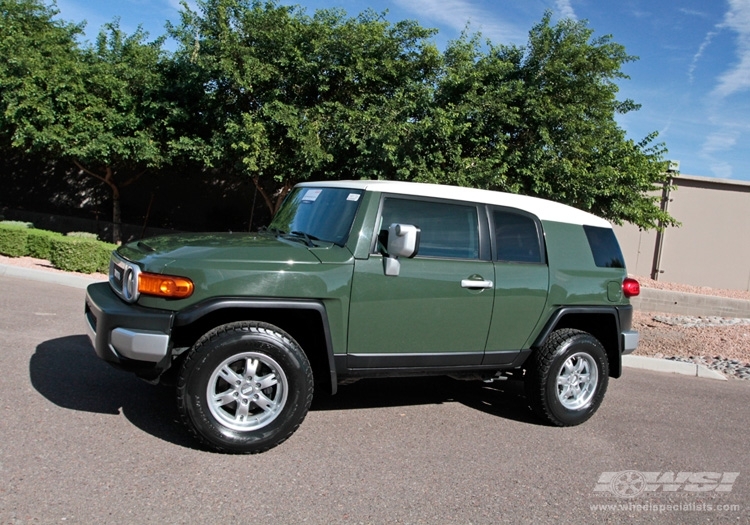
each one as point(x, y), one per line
point(67, 372)
point(503, 399)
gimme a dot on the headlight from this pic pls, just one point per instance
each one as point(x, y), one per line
point(129, 282)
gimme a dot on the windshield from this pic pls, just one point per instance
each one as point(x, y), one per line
point(324, 214)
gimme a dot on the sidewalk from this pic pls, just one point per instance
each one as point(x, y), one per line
point(649, 300)
point(55, 277)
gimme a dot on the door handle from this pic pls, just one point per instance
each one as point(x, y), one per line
point(469, 283)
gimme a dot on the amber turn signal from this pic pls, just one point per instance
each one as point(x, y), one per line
point(165, 285)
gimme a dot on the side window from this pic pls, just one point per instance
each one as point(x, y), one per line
point(604, 247)
point(448, 230)
point(517, 238)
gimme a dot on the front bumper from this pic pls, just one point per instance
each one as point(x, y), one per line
point(128, 336)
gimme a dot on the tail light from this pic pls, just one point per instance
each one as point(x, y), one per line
point(631, 287)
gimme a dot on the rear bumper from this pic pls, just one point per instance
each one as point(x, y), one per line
point(630, 340)
point(128, 336)
point(628, 337)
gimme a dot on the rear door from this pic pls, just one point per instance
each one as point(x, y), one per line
point(521, 282)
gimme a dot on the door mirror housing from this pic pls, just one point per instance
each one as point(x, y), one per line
point(403, 241)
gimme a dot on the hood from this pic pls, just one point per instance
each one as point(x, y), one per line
point(219, 248)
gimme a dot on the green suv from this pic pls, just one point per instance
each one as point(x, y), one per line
point(357, 279)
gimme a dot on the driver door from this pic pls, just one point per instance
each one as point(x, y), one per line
point(437, 311)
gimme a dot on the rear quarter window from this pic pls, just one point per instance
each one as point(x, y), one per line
point(604, 247)
point(517, 238)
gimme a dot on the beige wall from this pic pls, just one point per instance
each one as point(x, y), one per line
point(711, 248)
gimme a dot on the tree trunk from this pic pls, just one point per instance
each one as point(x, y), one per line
point(116, 215)
point(109, 180)
point(280, 193)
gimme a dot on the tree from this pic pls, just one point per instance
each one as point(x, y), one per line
point(264, 93)
point(540, 120)
point(572, 147)
point(36, 54)
point(290, 97)
point(101, 106)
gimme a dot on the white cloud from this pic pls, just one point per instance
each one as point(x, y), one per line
point(715, 144)
point(457, 13)
point(719, 141)
point(693, 12)
point(737, 79)
point(565, 9)
point(177, 4)
point(694, 63)
point(721, 169)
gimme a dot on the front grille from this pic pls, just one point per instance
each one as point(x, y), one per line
point(123, 278)
point(116, 273)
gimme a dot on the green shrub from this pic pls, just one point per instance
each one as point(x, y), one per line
point(39, 243)
point(80, 255)
point(17, 224)
point(83, 235)
point(13, 240)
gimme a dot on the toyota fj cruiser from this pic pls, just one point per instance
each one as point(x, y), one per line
point(358, 279)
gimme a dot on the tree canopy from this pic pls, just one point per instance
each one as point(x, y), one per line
point(263, 92)
point(101, 106)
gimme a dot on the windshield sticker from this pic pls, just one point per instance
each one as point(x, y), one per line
point(311, 195)
point(353, 197)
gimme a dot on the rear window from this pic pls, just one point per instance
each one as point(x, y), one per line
point(604, 247)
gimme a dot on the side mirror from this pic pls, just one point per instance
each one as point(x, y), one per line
point(403, 241)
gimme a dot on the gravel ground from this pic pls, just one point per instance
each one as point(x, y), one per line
point(719, 343)
point(722, 344)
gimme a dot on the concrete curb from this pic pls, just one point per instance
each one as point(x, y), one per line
point(65, 279)
point(669, 366)
point(683, 303)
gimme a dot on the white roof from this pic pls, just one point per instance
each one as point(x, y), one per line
point(544, 209)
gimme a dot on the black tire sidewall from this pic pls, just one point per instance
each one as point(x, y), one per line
point(581, 342)
point(262, 340)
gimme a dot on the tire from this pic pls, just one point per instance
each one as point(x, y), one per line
point(567, 378)
point(244, 388)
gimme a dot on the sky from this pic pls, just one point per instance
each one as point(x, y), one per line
point(692, 78)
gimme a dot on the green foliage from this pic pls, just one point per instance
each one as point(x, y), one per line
point(39, 243)
point(540, 120)
point(16, 224)
point(13, 240)
point(102, 106)
point(80, 255)
point(263, 92)
point(294, 97)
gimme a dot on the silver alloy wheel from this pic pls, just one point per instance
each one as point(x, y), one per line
point(577, 381)
point(247, 391)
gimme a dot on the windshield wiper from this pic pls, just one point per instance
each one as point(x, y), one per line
point(307, 237)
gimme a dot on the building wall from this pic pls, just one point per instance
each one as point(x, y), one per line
point(711, 248)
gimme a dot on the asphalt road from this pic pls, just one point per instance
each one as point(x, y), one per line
point(81, 442)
